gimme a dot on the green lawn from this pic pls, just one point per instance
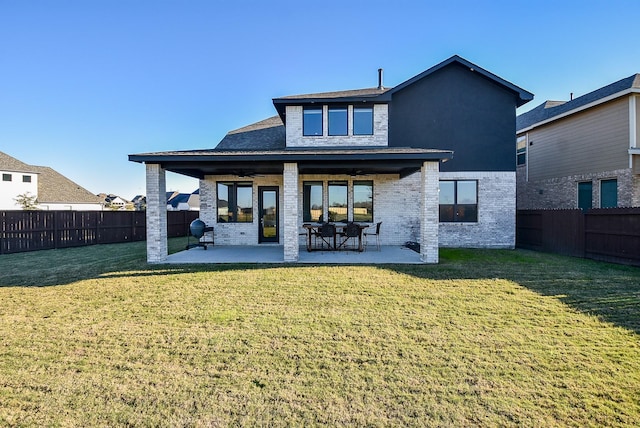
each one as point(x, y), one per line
point(96, 337)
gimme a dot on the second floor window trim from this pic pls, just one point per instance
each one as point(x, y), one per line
point(312, 121)
point(340, 120)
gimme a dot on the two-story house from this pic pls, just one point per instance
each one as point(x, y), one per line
point(432, 158)
point(582, 153)
point(52, 190)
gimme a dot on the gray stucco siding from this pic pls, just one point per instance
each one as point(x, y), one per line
point(457, 109)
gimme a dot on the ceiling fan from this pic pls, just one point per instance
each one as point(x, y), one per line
point(242, 173)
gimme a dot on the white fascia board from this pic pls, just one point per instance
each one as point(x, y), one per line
point(581, 108)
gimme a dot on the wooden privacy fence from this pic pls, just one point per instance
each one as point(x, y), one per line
point(41, 230)
point(608, 234)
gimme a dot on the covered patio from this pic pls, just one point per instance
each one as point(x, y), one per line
point(274, 254)
point(284, 172)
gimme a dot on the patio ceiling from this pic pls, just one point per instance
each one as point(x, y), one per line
point(360, 161)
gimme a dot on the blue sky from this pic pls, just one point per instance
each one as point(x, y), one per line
point(83, 84)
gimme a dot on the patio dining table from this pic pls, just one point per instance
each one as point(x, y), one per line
point(340, 228)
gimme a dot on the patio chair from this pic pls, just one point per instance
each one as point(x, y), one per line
point(376, 234)
point(327, 235)
point(350, 235)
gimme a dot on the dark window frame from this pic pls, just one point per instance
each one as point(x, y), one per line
point(26, 179)
point(232, 202)
point(457, 212)
point(335, 109)
point(7, 177)
point(582, 188)
point(369, 183)
point(337, 183)
point(306, 200)
point(314, 108)
point(355, 125)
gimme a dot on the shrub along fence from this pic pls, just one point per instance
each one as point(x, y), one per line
point(42, 230)
point(607, 234)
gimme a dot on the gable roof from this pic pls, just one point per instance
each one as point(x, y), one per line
point(269, 134)
point(53, 187)
point(523, 96)
point(554, 109)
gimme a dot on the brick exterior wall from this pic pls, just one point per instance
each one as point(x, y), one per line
point(157, 245)
point(496, 226)
point(396, 202)
point(236, 233)
point(562, 192)
point(380, 135)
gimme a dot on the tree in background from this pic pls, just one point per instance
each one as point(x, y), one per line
point(27, 201)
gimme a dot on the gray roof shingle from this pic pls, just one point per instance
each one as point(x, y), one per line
point(9, 163)
point(268, 134)
point(550, 109)
point(55, 187)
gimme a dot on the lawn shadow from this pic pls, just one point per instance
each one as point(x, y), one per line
point(609, 291)
point(606, 290)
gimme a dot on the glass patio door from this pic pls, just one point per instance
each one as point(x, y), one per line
point(268, 208)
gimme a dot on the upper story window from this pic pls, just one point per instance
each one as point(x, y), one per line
point(338, 120)
point(521, 150)
point(312, 121)
point(26, 179)
point(6, 177)
point(363, 121)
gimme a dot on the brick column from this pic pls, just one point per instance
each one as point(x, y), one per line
point(290, 212)
point(157, 248)
point(429, 212)
point(208, 209)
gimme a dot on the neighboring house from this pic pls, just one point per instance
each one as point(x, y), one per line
point(368, 155)
point(115, 202)
point(139, 202)
point(582, 153)
point(52, 190)
point(184, 201)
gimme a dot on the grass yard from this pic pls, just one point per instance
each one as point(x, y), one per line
point(96, 337)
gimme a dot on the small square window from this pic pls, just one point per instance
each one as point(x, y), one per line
point(6, 177)
point(26, 179)
point(459, 201)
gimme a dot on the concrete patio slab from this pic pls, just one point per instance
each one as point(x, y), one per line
point(275, 254)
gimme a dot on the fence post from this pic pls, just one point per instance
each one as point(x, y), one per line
point(56, 233)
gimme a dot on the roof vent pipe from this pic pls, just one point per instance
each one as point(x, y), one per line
point(380, 79)
point(571, 96)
